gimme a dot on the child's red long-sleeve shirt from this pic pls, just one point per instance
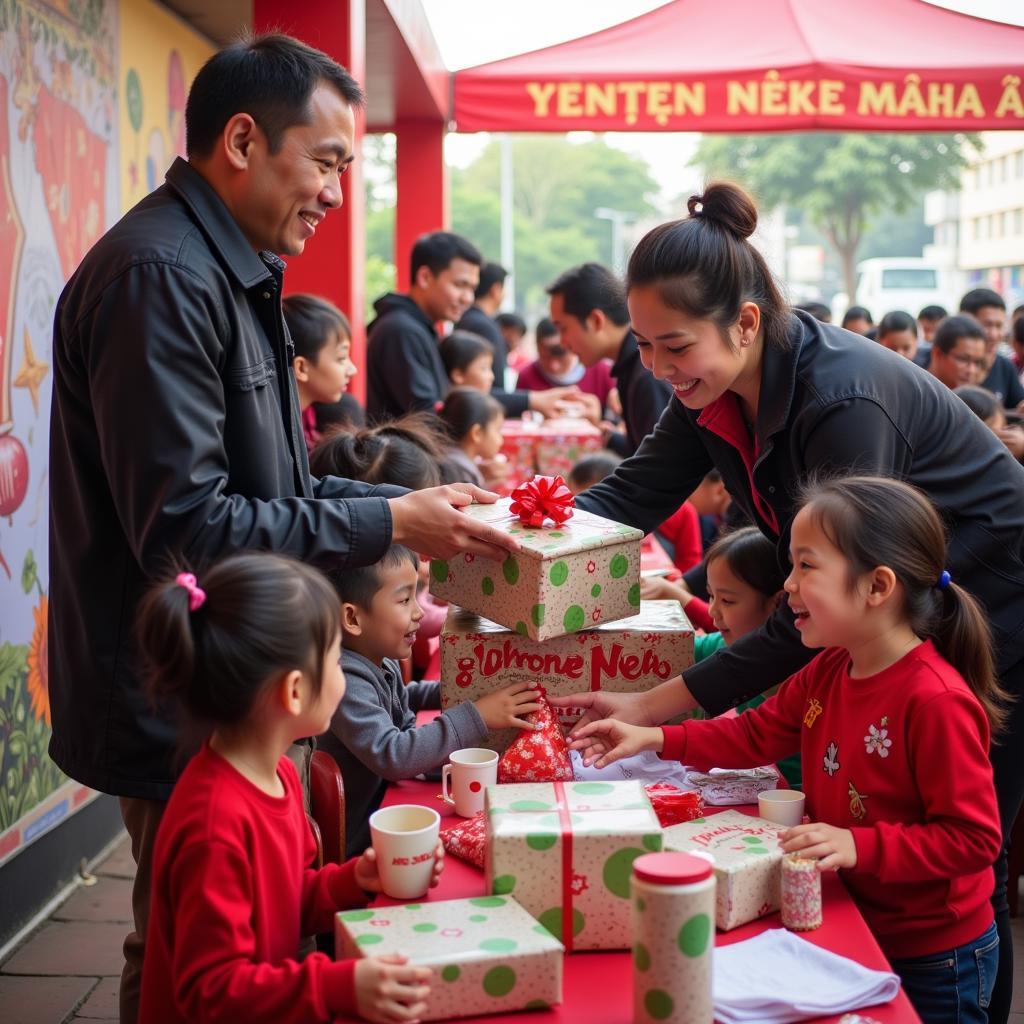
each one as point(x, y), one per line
point(899, 758)
point(232, 895)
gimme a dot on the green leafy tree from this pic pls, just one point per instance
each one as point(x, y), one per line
point(843, 183)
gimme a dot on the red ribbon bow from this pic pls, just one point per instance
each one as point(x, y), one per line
point(543, 497)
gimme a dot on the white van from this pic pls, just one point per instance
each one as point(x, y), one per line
point(909, 283)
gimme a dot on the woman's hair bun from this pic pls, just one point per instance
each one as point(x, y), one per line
point(727, 205)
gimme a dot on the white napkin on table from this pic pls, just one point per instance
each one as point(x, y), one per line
point(644, 767)
point(777, 977)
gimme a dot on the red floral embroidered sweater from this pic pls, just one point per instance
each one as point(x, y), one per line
point(901, 759)
point(232, 895)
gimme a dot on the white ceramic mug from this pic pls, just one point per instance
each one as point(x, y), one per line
point(404, 838)
point(783, 806)
point(463, 780)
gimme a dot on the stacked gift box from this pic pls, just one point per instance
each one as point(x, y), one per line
point(548, 448)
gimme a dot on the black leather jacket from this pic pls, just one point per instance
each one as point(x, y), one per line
point(838, 403)
point(174, 433)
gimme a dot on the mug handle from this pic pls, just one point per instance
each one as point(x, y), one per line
point(446, 778)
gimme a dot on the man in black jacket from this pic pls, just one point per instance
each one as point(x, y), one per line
point(588, 306)
point(175, 432)
point(404, 371)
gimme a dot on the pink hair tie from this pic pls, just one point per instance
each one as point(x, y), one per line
point(196, 594)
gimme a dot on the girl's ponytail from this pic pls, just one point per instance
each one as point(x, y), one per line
point(962, 636)
point(166, 641)
point(877, 521)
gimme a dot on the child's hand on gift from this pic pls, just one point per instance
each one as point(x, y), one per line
point(368, 878)
point(604, 742)
point(388, 990)
point(832, 847)
point(504, 708)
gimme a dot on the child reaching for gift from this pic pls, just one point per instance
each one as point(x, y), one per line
point(374, 738)
point(893, 720)
point(253, 650)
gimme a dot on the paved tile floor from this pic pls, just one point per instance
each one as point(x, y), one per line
point(68, 968)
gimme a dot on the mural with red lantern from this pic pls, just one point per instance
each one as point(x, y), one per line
point(58, 194)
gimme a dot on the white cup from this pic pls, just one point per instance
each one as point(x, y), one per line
point(464, 778)
point(404, 837)
point(783, 806)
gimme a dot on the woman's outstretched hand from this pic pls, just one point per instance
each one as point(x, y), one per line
point(598, 704)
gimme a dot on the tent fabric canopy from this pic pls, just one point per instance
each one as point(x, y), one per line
point(760, 65)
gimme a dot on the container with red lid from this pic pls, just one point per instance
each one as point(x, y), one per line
point(673, 906)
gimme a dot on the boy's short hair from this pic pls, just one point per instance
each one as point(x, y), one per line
point(979, 298)
point(592, 469)
point(896, 320)
point(461, 348)
point(982, 402)
point(952, 329)
point(311, 322)
point(511, 322)
point(932, 313)
point(437, 250)
point(358, 586)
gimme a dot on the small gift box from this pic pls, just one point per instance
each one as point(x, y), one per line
point(479, 656)
point(487, 953)
point(540, 755)
point(747, 861)
point(566, 852)
point(554, 446)
point(574, 570)
point(673, 805)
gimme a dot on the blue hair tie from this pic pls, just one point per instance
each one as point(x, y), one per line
point(944, 580)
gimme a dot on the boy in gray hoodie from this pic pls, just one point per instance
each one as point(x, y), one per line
point(373, 735)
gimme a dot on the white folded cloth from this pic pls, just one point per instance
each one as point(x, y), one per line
point(643, 767)
point(777, 977)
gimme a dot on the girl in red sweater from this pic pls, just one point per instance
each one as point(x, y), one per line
point(893, 720)
point(253, 650)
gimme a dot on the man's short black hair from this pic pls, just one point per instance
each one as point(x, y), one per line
point(271, 77)
point(490, 275)
point(591, 286)
point(358, 586)
point(932, 314)
point(437, 250)
point(511, 322)
point(952, 329)
point(545, 329)
point(979, 298)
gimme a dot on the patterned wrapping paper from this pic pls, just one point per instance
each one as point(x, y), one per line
point(479, 656)
point(566, 851)
point(747, 862)
point(566, 577)
point(538, 756)
point(488, 954)
point(554, 446)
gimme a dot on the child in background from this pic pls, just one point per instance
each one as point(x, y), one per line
point(473, 421)
point(513, 330)
point(252, 649)
point(374, 738)
point(897, 331)
point(404, 452)
point(858, 320)
point(468, 360)
point(322, 364)
point(987, 407)
point(894, 720)
point(928, 320)
point(592, 469)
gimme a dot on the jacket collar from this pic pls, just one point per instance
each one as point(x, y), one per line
point(627, 353)
point(778, 378)
point(221, 229)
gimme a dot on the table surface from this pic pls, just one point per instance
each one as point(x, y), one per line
point(598, 985)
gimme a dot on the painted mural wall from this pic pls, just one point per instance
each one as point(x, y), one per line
point(92, 96)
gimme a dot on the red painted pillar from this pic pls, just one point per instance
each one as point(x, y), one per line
point(422, 186)
point(333, 261)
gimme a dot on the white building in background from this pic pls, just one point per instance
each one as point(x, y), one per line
point(942, 214)
point(991, 231)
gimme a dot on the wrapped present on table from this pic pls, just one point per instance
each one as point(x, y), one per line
point(466, 838)
point(540, 755)
point(575, 569)
point(747, 860)
point(566, 852)
point(487, 953)
point(479, 656)
point(551, 447)
point(673, 805)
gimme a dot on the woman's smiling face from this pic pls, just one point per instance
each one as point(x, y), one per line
point(687, 352)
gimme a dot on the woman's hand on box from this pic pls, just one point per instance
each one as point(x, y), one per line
point(606, 741)
point(389, 990)
point(504, 708)
point(831, 847)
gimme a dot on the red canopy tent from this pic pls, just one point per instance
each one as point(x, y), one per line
point(760, 65)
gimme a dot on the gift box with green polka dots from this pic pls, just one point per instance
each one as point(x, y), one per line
point(566, 852)
point(564, 579)
point(479, 656)
point(747, 861)
point(487, 953)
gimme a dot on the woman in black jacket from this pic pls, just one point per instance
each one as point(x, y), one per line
point(769, 396)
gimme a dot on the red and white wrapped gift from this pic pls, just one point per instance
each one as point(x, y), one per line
point(540, 755)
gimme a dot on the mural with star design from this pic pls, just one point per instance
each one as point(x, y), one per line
point(67, 114)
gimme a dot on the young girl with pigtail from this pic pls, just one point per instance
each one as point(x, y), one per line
point(893, 720)
point(251, 650)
